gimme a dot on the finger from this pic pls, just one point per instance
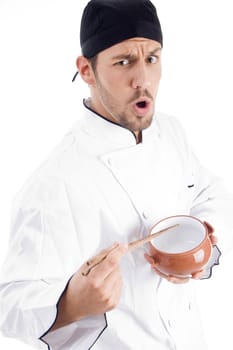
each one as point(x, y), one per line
point(150, 259)
point(111, 262)
point(112, 289)
point(213, 239)
point(97, 259)
point(178, 280)
point(210, 229)
point(198, 275)
point(113, 298)
point(171, 278)
point(101, 256)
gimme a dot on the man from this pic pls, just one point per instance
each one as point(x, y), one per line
point(121, 169)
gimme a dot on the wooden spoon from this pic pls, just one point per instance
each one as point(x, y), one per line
point(133, 245)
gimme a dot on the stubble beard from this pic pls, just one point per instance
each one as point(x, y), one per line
point(135, 124)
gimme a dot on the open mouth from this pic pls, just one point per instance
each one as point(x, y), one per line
point(141, 104)
point(141, 107)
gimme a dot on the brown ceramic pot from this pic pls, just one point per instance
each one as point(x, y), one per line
point(183, 250)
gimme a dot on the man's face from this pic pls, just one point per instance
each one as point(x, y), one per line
point(127, 77)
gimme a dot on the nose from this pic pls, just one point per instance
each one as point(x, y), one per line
point(141, 78)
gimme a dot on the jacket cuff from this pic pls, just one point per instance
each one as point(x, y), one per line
point(82, 334)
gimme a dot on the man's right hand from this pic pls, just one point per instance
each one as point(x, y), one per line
point(95, 293)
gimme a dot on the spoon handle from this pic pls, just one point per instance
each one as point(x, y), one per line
point(139, 242)
point(133, 245)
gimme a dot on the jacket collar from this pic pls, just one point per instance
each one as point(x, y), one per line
point(108, 132)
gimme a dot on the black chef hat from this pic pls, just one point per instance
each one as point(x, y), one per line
point(108, 22)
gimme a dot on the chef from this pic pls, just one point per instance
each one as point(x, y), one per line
point(120, 169)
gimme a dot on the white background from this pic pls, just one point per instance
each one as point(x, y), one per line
point(39, 42)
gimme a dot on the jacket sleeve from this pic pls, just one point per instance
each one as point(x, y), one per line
point(34, 274)
point(209, 199)
point(213, 203)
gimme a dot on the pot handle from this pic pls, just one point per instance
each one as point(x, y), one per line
point(210, 228)
point(216, 253)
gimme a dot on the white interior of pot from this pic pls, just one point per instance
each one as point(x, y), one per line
point(189, 233)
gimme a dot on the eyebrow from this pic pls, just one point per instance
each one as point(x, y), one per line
point(128, 56)
point(155, 50)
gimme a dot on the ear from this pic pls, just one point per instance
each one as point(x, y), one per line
point(85, 70)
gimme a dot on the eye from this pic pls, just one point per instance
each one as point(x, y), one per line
point(153, 59)
point(124, 62)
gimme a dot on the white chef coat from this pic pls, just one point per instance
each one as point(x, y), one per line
point(97, 187)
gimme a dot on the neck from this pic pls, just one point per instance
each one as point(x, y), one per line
point(137, 134)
